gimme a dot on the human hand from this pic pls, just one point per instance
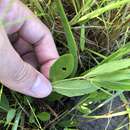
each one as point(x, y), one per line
point(18, 60)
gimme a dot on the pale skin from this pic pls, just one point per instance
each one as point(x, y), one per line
point(34, 47)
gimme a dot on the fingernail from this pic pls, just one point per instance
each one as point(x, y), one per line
point(42, 87)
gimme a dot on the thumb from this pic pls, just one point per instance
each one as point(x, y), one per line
point(19, 75)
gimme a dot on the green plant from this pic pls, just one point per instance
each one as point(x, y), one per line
point(93, 40)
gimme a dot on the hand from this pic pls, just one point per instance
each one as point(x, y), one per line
point(18, 61)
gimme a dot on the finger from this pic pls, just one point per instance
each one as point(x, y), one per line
point(23, 47)
point(17, 74)
point(34, 31)
point(26, 51)
point(31, 59)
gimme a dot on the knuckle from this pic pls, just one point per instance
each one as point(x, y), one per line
point(22, 73)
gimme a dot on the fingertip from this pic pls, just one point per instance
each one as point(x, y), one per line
point(41, 88)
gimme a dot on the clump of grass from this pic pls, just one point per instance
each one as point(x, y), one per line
point(96, 36)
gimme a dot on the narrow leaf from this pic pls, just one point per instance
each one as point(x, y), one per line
point(82, 38)
point(97, 12)
point(115, 76)
point(4, 103)
point(109, 67)
point(118, 54)
point(16, 122)
point(69, 35)
point(119, 85)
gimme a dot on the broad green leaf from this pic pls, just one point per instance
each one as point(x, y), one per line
point(73, 88)
point(69, 35)
point(10, 115)
point(109, 67)
point(44, 116)
point(115, 76)
point(119, 85)
point(62, 68)
point(4, 104)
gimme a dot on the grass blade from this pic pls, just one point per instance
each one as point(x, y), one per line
point(17, 119)
point(82, 38)
point(97, 12)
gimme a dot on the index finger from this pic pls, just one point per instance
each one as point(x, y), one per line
point(35, 32)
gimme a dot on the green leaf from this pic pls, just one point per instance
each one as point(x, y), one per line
point(10, 115)
point(118, 54)
point(99, 11)
point(109, 67)
point(16, 122)
point(82, 38)
point(72, 88)
point(62, 68)
point(32, 117)
point(69, 35)
point(119, 85)
point(44, 116)
point(115, 76)
point(4, 104)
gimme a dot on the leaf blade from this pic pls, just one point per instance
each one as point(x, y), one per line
point(73, 88)
point(62, 68)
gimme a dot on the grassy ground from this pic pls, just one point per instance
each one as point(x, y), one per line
point(94, 32)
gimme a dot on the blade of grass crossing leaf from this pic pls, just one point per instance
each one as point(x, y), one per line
point(69, 35)
point(16, 122)
point(97, 12)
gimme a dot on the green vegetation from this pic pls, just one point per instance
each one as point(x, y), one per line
point(93, 40)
